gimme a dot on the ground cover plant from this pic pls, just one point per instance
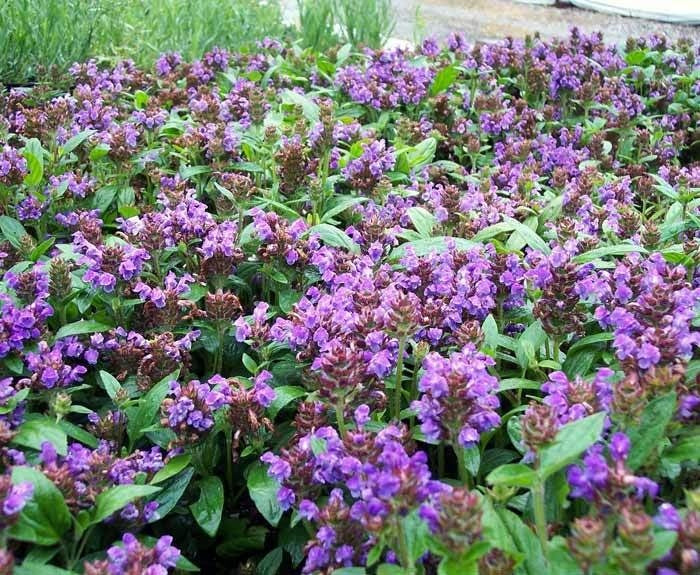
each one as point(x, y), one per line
point(380, 312)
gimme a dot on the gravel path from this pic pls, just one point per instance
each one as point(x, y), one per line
point(496, 19)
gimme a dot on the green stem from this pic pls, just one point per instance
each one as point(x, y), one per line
point(229, 459)
point(80, 548)
point(414, 388)
point(396, 412)
point(340, 416)
point(556, 343)
point(462, 468)
point(540, 515)
point(219, 357)
point(62, 313)
point(404, 555)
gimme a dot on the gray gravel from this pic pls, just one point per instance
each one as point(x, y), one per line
point(496, 19)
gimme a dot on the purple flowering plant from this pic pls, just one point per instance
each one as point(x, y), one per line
point(417, 312)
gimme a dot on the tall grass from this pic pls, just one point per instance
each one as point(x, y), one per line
point(37, 35)
point(192, 27)
point(365, 22)
point(317, 23)
point(358, 22)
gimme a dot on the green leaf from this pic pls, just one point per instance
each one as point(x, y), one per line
point(492, 231)
point(41, 555)
point(172, 491)
point(603, 337)
point(30, 568)
point(270, 564)
point(249, 363)
point(263, 491)
point(285, 395)
point(12, 230)
point(208, 508)
point(437, 244)
point(111, 384)
point(239, 537)
point(663, 543)
point(82, 327)
point(472, 459)
point(287, 299)
point(466, 563)
point(340, 206)
point(188, 172)
point(172, 467)
point(332, 236)
point(526, 542)
point(310, 108)
point(513, 474)
point(247, 167)
point(516, 242)
point(104, 197)
point(648, 434)
point(570, 442)
point(115, 498)
point(490, 329)
point(560, 557)
point(495, 530)
point(390, 569)
point(45, 517)
point(34, 154)
point(495, 457)
point(33, 432)
point(422, 219)
point(579, 362)
point(443, 80)
point(99, 151)
point(140, 99)
point(416, 533)
point(530, 236)
point(350, 571)
point(687, 449)
point(616, 250)
point(142, 417)
point(518, 383)
point(75, 141)
point(421, 154)
point(41, 249)
point(78, 433)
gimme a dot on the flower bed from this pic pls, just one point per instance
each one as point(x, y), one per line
point(392, 313)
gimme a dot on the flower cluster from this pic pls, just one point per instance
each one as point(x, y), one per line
point(132, 557)
point(458, 400)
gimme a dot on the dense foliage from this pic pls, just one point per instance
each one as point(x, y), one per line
point(42, 38)
point(390, 312)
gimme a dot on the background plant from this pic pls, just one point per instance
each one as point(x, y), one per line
point(47, 35)
point(367, 23)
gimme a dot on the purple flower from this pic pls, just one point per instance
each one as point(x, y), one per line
point(16, 498)
point(458, 400)
point(619, 446)
point(133, 557)
point(365, 171)
point(264, 394)
point(668, 517)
